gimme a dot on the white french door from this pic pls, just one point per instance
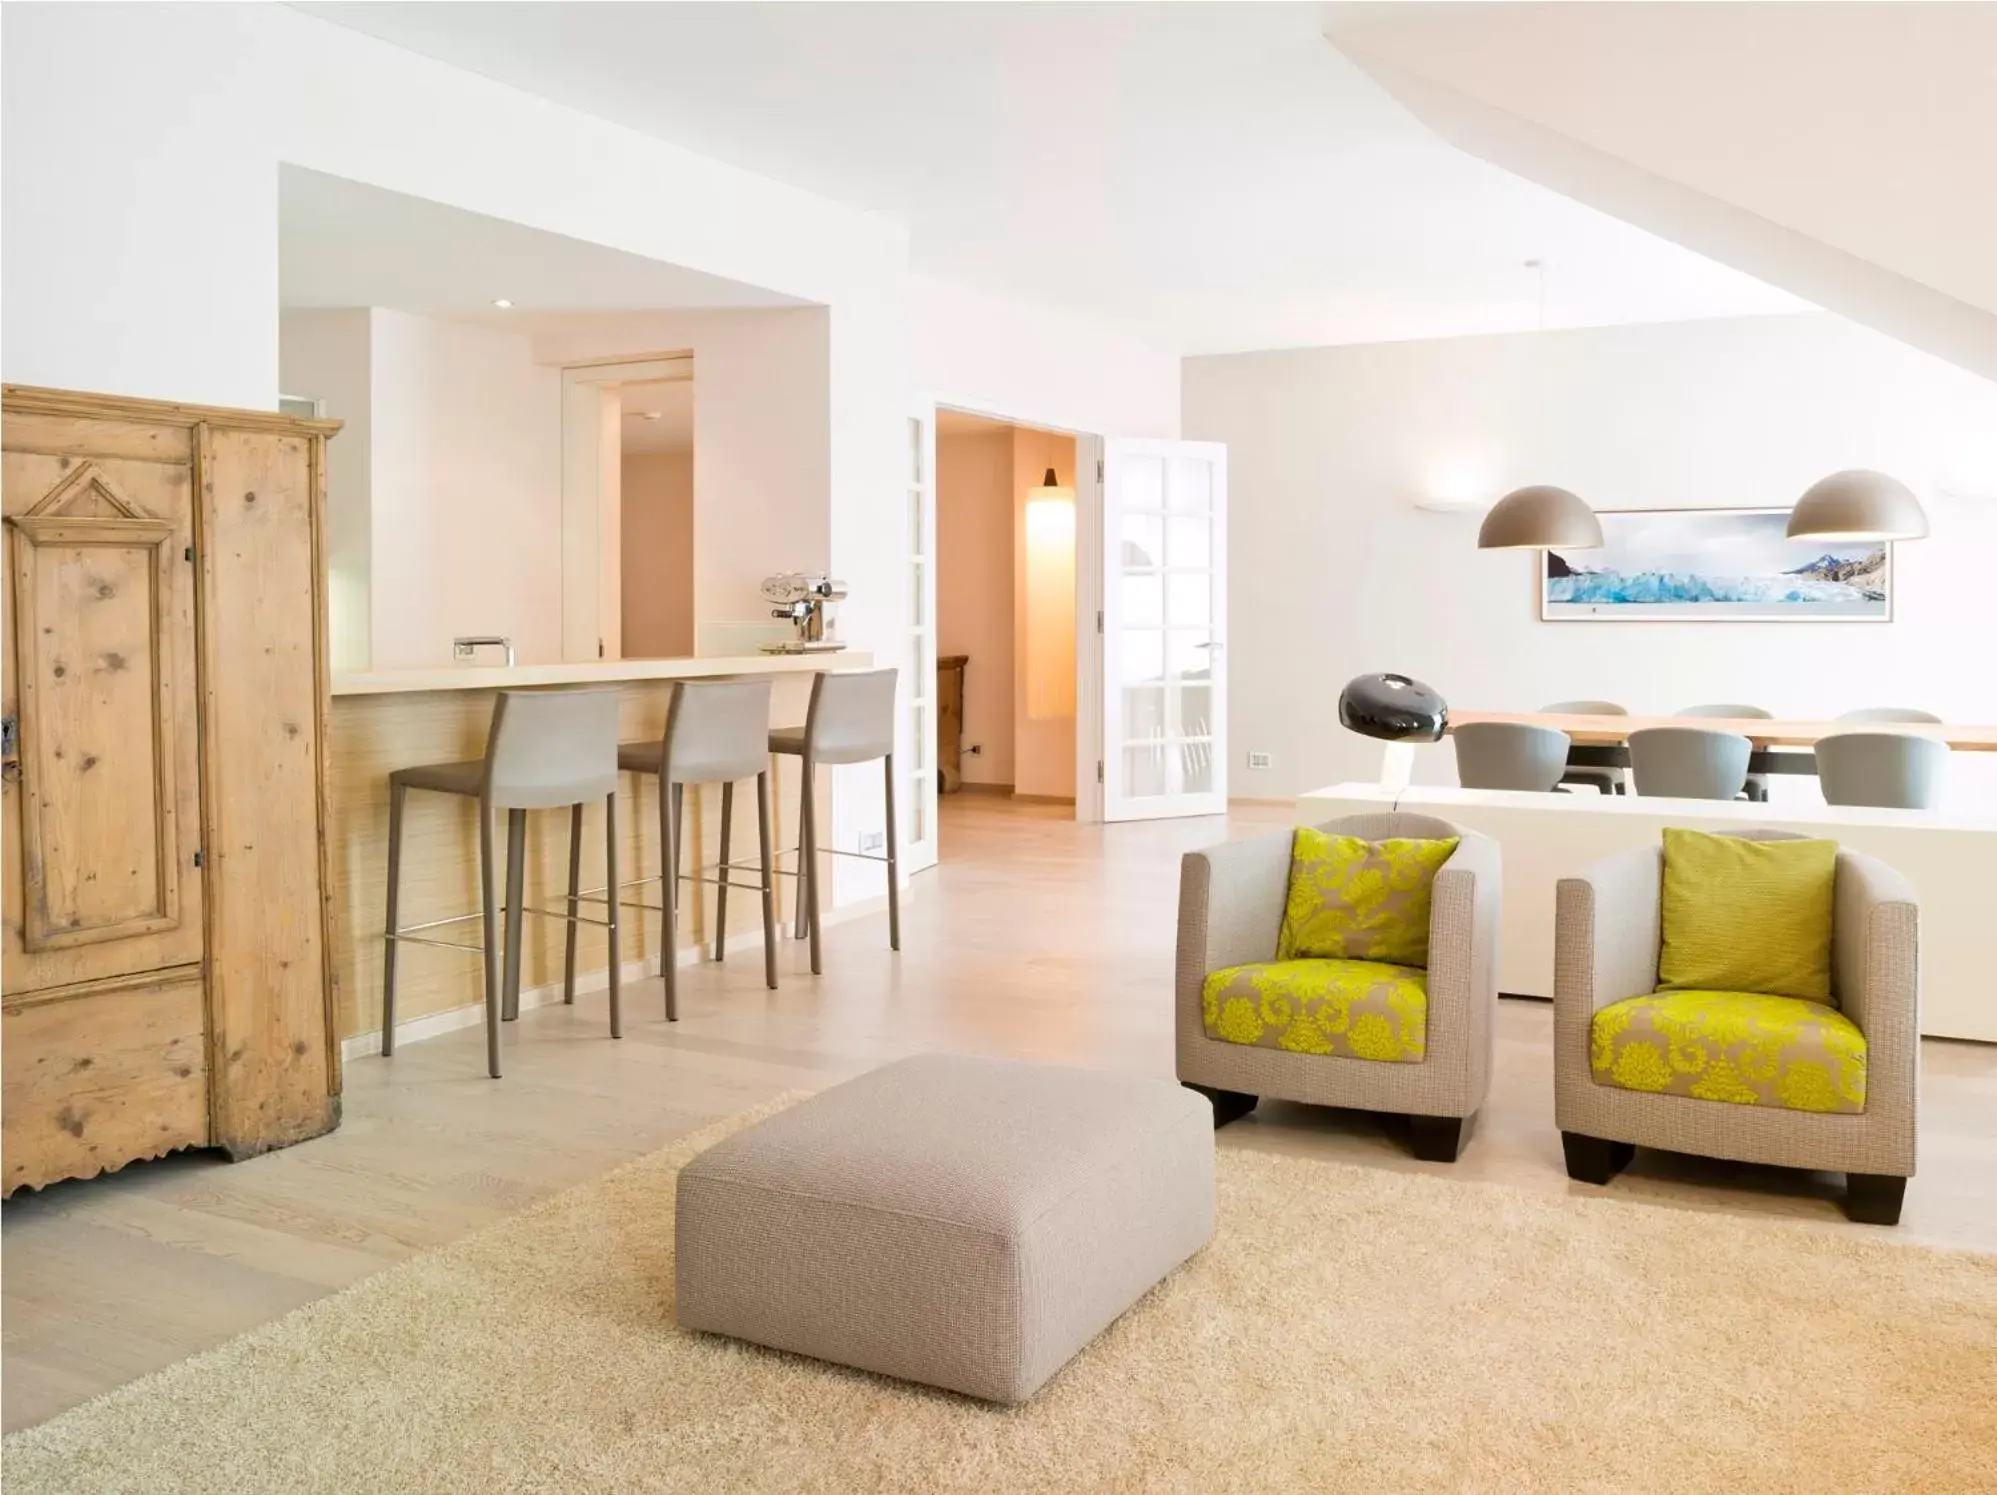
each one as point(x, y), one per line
point(917, 789)
point(1163, 659)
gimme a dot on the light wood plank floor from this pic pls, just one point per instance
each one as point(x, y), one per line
point(1036, 938)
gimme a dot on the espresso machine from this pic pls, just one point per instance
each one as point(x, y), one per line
point(805, 598)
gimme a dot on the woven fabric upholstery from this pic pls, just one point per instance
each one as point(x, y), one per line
point(1231, 900)
point(1605, 950)
point(967, 1223)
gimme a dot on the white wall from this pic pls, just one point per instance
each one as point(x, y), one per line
point(657, 554)
point(975, 521)
point(324, 355)
point(466, 488)
point(762, 454)
point(1024, 362)
point(1336, 575)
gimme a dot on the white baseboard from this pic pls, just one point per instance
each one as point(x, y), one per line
point(432, 1024)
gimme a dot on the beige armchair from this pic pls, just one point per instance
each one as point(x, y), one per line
point(1231, 900)
point(1606, 945)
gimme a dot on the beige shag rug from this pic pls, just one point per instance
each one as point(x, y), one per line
point(1347, 1329)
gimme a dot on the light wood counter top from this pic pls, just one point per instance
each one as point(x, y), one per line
point(594, 671)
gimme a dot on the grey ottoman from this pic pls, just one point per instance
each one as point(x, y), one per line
point(967, 1223)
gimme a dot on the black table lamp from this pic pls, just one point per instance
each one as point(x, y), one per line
point(1393, 708)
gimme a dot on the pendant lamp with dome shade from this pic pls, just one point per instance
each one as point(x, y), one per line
point(1540, 517)
point(1858, 504)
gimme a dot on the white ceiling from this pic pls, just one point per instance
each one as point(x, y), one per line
point(1209, 176)
point(671, 400)
point(343, 243)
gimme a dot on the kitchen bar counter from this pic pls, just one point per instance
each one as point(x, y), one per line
point(399, 719)
point(591, 672)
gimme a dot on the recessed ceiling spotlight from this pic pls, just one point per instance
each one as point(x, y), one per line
point(503, 304)
point(653, 414)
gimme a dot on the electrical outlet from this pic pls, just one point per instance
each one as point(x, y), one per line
point(1258, 760)
point(975, 749)
point(872, 840)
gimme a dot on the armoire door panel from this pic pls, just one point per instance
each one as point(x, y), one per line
point(101, 817)
point(269, 997)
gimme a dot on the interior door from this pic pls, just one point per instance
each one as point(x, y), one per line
point(918, 786)
point(1163, 660)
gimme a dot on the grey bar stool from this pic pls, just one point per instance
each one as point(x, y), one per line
point(546, 750)
point(717, 732)
point(1891, 770)
point(1757, 783)
point(1608, 780)
point(1889, 714)
point(1689, 762)
point(851, 720)
point(1510, 755)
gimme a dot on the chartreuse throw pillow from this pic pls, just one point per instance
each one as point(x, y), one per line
point(1360, 900)
point(1747, 916)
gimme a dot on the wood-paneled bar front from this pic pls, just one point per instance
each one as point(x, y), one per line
point(382, 722)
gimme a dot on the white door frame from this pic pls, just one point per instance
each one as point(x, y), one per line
point(918, 770)
point(592, 498)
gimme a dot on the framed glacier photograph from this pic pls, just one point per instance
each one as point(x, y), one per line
point(1715, 565)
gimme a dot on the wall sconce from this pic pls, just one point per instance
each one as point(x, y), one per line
point(1050, 600)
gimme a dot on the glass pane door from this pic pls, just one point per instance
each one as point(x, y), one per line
point(916, 793)
point(1165, 605)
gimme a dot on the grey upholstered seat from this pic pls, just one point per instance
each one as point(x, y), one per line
point(1509, 755)
point(964, 1222)
point(1610, 780)
point(851, 720)
point(1889, 714)
point(1607, 941)
point(1892, 770)
point(1755, 784)
point(1689, 762)
point(1231, 903)
point(547, 749)
point(717, 732)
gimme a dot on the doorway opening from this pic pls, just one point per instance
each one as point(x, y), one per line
point(1006, 641)
point(655, 518)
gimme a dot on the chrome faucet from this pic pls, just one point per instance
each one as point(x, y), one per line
point(467, 648)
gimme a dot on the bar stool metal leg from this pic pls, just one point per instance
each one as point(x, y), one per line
point(488, 878)
point(669, 904)
point(810, 868)
point(575, 891)
point(616, 954)
point(802, 912)
point(721, 885)
point(516, 871)
point(894, 865)
point(396, 793)
point(769, 881)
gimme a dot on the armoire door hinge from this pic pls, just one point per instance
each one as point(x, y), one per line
point(197, 859)
point(1099, 770)
point(188, 554)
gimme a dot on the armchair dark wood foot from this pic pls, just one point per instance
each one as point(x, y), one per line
point(1439, 1139)
point(1595, 1160)
point(1228, 1105)
point(1873, 1198)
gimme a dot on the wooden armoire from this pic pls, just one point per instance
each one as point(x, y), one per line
point(167, 978)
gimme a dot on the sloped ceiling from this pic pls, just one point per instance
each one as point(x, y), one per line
point(1845, 152)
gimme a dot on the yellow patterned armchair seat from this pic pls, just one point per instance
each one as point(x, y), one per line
point(1378, 1033)
point(1358, 1009)
point(1830, 1085)
point(1739, 1047)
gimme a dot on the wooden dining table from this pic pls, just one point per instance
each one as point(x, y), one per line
point(1603, 741)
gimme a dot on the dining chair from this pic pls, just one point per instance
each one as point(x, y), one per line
point(1609, 780)
point(1510, 755)
point(1757, 783)
point(1889, 770)
point(1889, 714)
point(1689, 762)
